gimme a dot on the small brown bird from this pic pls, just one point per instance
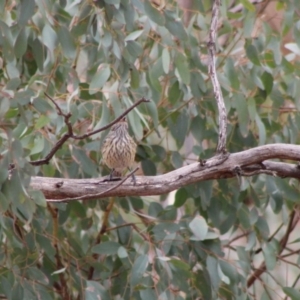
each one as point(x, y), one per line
point(118, 149)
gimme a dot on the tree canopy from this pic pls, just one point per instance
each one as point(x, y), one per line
point(203, 221)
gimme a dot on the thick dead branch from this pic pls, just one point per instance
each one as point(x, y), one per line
point(221, 148)
point(250, 162)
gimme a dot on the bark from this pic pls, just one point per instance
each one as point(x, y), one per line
point(246, 163)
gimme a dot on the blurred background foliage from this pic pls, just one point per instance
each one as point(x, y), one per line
point(96, 58)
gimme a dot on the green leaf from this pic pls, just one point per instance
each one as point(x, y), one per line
point(261, 130)
point(244, 259)
point(112, 2)
point(182, 68)
point(204, 284)
point(176, 159)
point(13, 84)
point(134, 48)
point(148, 294)
point(4, 203)
point(49, 37)
point(292, 292)
point(242, 112)
point(199, 228)
point(175, 94)
point(38, 145)
point(86, 163)
point(166, 60)
point(133, 35)
point(107, 248)
point(232, 74)
point(42, 121)
point(270, 60)
point(160, 152)
point(154, 73)
point(4, 107)
point(148, 167)
point(247, 4)
point(270, 254)
point(180, 265)
point(276, 195)
point(43, 107)
point(198, 85)
point(251, 241)
point(180, 197)
point(288, 191)
point(174, 25)
point(36, 274)
point(122, 253)
point(155, 15)
point(99, 79)
point(179, 127)
point(138, 269)
point(198, 128)
point(21, 43)
point(212, 268)
point(38, 53)
point(252, 54)
point(67, 42)
point(26, 11)
point(17, 292)
point(95, 291)
point(268, 81)
point(251, 108)
point(6, 42)
point(155, 209)
point(229, 270)
point(135, 78)
point(262, 228)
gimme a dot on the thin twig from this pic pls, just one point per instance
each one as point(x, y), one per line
point(289, 262)
point(291, 253)
point(80, 137)
point(144, 236)
point(262, 268)
point(59, 111)
point(94, 196)
point(237, 237)
point(270, 238)
point(62, 287)
point(70, 134)
point(101, 232)
point(221, 148)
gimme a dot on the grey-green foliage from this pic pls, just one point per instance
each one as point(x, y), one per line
point(96, 58)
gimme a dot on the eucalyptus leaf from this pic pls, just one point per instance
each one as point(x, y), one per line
point(108, 248)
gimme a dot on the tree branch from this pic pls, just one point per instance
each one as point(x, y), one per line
point(80, 137)
point(221, 148)
point(262, 268)
point(253, 161)
point(69, 134)
point(93, 196)
point(101, 233)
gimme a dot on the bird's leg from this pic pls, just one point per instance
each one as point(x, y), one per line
point(111, 177)
point(111, 174)
point(133, 177)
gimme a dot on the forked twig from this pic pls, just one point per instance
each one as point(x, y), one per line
point(70, 134)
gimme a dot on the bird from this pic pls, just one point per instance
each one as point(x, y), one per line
point(118, 150)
